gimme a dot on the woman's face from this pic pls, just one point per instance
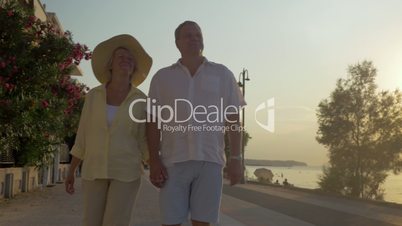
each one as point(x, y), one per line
point(123, 61)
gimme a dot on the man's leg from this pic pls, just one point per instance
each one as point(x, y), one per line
point(174, 195)
point(206, 192)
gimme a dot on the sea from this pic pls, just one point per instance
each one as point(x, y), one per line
point(308, 176)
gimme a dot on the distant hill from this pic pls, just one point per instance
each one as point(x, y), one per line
point(280, 163)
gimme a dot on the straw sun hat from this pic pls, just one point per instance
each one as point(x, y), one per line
point(103, 53)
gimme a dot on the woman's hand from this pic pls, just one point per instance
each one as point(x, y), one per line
point(69, 183)
point(158, 174)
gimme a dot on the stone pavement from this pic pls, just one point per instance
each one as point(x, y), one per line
point(269, 205)
point(146, 211)
point(251, 205)
point(51, 206)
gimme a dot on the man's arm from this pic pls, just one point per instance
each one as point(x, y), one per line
point(235, 170)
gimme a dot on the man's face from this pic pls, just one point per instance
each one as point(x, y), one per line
point(190, 40)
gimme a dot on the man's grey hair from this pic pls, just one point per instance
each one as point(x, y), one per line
point(178, 29)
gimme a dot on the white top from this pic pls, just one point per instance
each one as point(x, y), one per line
point(111, 113)
point(198, 103)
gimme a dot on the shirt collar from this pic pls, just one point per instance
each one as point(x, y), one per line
point(178, 63)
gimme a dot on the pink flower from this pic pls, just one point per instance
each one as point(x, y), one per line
point(5, 102)
point(45, 104)
point(9, 87)
point(10, 13)
point(67, 111)
point(2, 64)
point(32, 19)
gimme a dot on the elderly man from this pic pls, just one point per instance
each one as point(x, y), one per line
point(194, 102)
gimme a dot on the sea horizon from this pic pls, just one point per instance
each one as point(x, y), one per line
point(308, 177)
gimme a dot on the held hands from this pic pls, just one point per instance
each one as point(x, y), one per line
point(158, 174)
point(235, 171)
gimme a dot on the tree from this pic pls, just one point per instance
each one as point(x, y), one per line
point(246, 137)
point(362, 130)
point(39, 103)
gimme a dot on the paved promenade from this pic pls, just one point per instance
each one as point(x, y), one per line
point(251, 205)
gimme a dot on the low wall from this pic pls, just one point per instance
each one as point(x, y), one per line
point(15, 180)
point(63, 171)
point(2, 182)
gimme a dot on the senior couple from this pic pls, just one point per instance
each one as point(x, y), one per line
point(186, 165)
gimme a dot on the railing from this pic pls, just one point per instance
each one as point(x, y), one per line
point(6, 158)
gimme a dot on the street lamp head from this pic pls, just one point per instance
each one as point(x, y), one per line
point(246, 74)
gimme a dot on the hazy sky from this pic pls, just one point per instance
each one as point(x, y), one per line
point(294, 51)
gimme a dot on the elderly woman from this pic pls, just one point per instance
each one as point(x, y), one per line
point(110, 144)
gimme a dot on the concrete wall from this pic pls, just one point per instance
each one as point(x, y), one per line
point(63, 171)
point(27, 179)
point(2, 182)
point(32, 179)
point(16, 179)
point(39, 10)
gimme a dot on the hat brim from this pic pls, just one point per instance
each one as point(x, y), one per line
point(103, 53)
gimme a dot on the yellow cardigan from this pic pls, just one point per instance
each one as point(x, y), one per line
point(113, 152)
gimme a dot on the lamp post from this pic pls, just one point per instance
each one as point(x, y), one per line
point(243, 77)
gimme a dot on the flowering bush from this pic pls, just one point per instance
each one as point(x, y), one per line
point(39, 103)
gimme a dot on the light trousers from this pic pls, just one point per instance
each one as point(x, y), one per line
point(109, 202)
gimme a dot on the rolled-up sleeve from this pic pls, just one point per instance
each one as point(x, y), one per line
point(78, 149)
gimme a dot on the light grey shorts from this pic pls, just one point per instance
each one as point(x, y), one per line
point(193, 187)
